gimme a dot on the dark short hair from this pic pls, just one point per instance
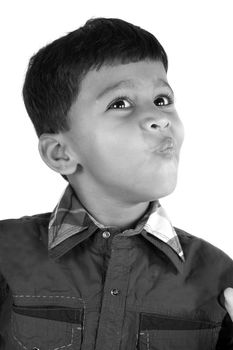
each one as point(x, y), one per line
point(55, 72)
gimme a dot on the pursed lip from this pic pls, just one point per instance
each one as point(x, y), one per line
point(168, 144)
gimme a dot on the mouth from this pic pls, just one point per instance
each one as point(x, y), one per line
point(165, 147)
point(169, 151)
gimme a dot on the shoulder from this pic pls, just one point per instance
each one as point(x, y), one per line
point(201, 254)
point(19, 236)
point(23, 224)
point(198, 245)
point(21, 239)
point(26, 219)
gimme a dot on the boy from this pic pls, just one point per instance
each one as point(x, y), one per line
point(106, 269)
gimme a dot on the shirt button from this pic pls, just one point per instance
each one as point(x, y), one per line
point(115, 291)
point(106, 234)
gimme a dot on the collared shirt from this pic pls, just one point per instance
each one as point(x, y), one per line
point(69, 283)
point(70, 218)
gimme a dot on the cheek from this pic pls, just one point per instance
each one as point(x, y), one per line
point(118, 143)
point(113, 155)
point(179, 132)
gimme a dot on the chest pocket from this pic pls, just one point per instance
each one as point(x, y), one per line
point(166, 333)
point(46, 328)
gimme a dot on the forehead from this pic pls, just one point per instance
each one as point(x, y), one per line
point(130, 76)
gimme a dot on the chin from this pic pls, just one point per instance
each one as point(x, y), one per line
point(165, 194)
point(151, 194)
point(165, 189)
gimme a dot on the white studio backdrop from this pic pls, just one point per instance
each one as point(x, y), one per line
point(197, 36)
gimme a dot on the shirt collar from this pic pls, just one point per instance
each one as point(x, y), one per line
point(70, 217)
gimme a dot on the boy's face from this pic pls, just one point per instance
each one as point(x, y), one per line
point(116, 126)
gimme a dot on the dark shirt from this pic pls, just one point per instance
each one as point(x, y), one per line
point(68, 282)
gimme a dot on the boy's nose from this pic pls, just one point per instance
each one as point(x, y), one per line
point(162, 124)
point(158, 124)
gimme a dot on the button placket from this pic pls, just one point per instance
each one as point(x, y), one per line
point(115, 292)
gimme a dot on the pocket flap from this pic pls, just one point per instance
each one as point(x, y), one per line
point(55, 313)
point(152, 321)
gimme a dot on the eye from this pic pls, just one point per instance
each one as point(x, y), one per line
point(120, 103)
point(163, 101)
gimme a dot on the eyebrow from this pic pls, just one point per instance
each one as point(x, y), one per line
point(130, 84)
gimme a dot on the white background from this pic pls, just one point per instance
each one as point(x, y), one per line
point(197, 36)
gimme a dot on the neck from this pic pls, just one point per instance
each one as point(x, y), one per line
point(110, 211)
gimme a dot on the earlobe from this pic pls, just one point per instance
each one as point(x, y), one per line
point(56, 154)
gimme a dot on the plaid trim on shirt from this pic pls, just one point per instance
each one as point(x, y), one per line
point(69, 216)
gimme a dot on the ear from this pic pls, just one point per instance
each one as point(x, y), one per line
point(56, 154)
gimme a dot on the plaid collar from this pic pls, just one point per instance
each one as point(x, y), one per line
point(70, 217)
